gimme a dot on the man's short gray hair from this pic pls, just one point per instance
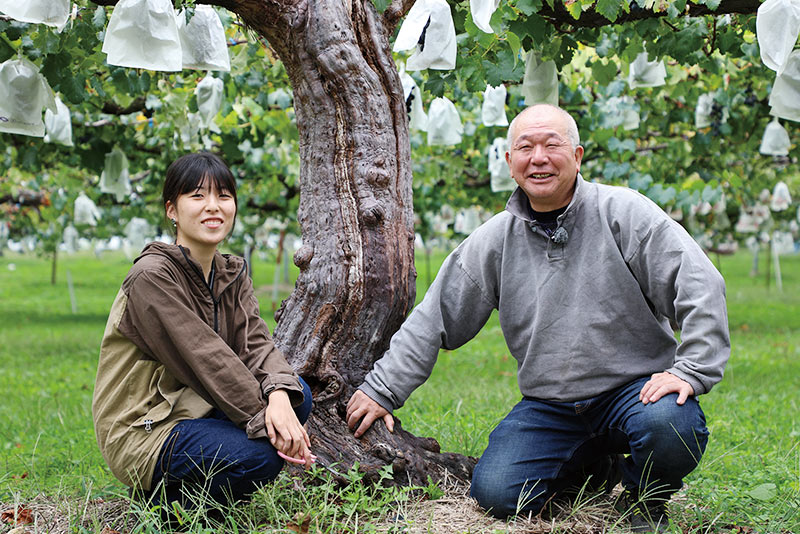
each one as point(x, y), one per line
point(572, 127)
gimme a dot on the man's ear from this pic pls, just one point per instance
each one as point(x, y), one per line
point(578, 156)
point(508, 158)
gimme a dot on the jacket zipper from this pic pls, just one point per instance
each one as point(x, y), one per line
point(210, 292)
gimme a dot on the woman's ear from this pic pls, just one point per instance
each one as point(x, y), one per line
point(169, 209)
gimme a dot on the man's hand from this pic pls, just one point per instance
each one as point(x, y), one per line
point(362, 408)
point(284, 429)
point(661, 384)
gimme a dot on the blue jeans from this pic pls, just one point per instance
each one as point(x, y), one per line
point(541, 444)
point(214, 457)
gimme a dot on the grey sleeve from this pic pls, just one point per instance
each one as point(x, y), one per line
point(453, 311)
point(683, 285)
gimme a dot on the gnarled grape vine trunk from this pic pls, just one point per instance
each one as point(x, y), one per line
point(357, 277)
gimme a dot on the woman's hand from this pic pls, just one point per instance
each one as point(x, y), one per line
point(283, 428)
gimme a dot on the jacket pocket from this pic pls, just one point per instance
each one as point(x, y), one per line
point(152, 394)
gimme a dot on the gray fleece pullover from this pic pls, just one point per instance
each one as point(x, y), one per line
point(582, 317)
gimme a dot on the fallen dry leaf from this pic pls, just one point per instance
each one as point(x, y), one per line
point(109, 530)
point(20, 516)
point(301, 523)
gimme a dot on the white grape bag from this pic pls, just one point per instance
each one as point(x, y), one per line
point(203, 43)
point(23, 94)
point(115, 178)
point(280, 98)
point(702, 113)
point(540, 84)
point(482, 11)
point(143, 34)
point(49, 12)
point(775, 141)
point(58, 125)
point(418, 119)
point(777, 28)
point(209, 101)
point(429, 30)
point(467, 220)
point(498, 167)
point(86, 212)
point(785, 95)
point(493, 110)
point(444, 123)
point(781, 199)
point(70, 239)
point(644, 73)
point(136, 232)
point(619, 111)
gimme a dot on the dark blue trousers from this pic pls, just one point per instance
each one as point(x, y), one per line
point(214, 458)
point(540, 444)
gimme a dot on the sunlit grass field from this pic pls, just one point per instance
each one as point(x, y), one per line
point(749, 477)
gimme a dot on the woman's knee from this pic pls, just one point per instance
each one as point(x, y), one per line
point(304, 410)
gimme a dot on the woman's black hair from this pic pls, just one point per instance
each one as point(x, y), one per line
point(189, 172)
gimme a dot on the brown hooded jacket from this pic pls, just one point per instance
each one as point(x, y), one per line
point(174, 349)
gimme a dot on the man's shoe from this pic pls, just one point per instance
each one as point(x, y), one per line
point(644, 515)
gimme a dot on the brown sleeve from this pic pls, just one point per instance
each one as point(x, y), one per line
point(159, 319)
point(265, 361)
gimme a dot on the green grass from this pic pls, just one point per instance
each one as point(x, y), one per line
point(748, 479)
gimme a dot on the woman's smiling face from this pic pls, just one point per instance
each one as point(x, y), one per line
point(203, 217)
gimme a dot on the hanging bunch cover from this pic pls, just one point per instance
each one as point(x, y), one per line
point(781, 199)
point(776, 140)
point(444, 123)
point(203, 44)
point(493, 111)
point(143, 34)
point(777, 28)
point(58, 125)
point(785, 95)
point(482, 11)
point(540, 84)
point(746, 224)
point(136, 232)
point(429, 30)
point(644, 73)
point(50, 12)
point(702, 113)
point(498, 167)
point(209, 101)
point(23, 94)
point(417, 118)
point(619, 111)
point(280, 98)
point(115, 178)
point(783, 243)
point(86, 212)
point(70, 239)
point(467, 220)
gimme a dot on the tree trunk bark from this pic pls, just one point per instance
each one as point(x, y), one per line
point(357, 277)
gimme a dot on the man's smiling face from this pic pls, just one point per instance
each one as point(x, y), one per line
point(542, 159)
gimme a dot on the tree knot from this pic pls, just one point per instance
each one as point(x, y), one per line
point(303, 256)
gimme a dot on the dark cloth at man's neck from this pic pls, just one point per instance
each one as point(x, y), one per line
point(546, 219)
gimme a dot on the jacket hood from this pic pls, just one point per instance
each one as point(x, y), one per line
point(227, 267)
